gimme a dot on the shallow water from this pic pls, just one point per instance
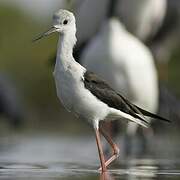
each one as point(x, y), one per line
point(70, 158)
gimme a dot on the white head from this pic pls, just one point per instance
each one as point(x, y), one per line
point(63, 22)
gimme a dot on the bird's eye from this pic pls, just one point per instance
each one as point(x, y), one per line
point(65, 21)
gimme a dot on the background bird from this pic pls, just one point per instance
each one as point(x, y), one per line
point(126, 64)
point(142, 18)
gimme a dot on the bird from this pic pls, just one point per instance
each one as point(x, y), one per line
point(125, 63)
point(143, 18)
point(85, 94)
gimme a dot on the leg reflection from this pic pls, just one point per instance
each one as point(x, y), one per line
point(106, 176)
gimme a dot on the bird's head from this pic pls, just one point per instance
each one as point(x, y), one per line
point(63, 22)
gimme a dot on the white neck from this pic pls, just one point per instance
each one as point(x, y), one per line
point(66, 43)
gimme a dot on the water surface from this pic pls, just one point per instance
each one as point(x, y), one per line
point(70, 158)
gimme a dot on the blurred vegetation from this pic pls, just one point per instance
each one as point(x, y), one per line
point(27, 64)
point(174, 71)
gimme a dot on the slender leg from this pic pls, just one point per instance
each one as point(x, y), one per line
point(110, 127)
point(100, 150)
point(113, 145)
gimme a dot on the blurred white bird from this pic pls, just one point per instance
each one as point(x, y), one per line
point(125, 63)
point(166, 39)
point(142, 18)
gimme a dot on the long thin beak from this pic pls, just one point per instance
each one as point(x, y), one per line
point(47, 33)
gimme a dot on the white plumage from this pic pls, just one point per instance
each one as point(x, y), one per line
point(84, 93)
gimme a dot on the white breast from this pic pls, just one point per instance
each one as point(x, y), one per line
point(75, 97)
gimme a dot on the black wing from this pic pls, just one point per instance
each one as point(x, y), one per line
point(105, 93)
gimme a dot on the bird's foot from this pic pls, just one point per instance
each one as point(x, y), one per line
point(112, 158)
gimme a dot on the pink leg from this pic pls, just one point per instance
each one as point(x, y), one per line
point(113, 145)
point(100, 150)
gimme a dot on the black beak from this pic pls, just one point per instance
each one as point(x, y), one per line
point(47, 33)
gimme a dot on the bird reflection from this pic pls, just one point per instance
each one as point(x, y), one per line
point(106, 176)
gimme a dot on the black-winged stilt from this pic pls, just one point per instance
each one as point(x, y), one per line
point(84, 93)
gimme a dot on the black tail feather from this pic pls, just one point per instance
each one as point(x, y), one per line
point(135, 112)
point(147, 113)
point(139, 111)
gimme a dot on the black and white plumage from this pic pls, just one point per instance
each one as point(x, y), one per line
point(106, 94)
point(83, 93)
